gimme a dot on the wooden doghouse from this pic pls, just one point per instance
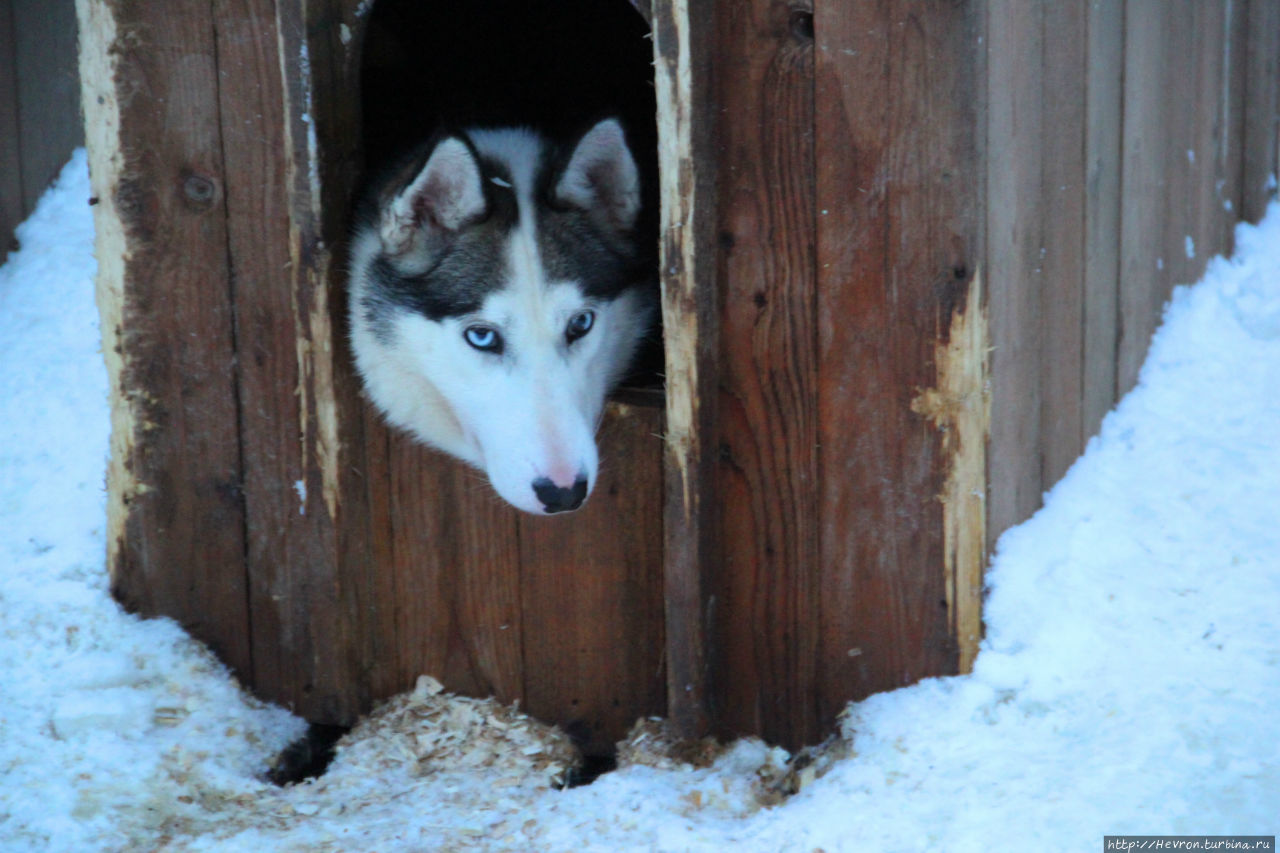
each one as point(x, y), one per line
point(911, 252)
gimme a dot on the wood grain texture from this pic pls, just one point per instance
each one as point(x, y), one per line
point(765, 639)
point(1143, 211)
point(1104, 79)
point(687, 163)
point(1261, 156)
point(1181, 168)
point(1015, 131)
point(1062, 205)
point(456, 571)
point(591, 593)
point(283, 340)
point(176, 515)
point(323, 133)
point(899, 231)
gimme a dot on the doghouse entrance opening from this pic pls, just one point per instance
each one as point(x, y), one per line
point(555, 66)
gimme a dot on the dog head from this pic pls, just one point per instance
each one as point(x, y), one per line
point(497, 296)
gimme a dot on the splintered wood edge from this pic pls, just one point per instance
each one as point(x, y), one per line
point(684, 220)
point(313, 333)
point(960, 408)
point(98, 70)
point(674, 83)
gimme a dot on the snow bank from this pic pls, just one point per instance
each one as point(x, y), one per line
point(105, 719)
point(1127, 683)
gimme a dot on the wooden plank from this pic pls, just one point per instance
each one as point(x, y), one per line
point(454, 606)
point(764, 634)
point(1181, 169)
point(1261, 108)
point(323, 130)
point(299, 639)
point(11, 211)
point(899, 241)
point(175, 508)
point(1063, 177)
point(48, 91)
point(1015, 131)
point(1142, 248)
point(1217, 125)
point(686, 164)
point(1104, 94)
point(592, 593)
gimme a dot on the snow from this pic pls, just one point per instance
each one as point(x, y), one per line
point(1128, 681)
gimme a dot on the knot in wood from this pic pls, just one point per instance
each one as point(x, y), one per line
point(199, 191)
point(802, 24)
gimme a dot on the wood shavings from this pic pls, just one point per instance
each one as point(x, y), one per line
point(435, 732)
point(650, 743)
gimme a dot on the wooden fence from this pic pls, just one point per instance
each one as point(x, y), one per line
point(39, 103)
point(912, 251)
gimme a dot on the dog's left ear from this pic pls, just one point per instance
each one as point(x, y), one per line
point(602, 178)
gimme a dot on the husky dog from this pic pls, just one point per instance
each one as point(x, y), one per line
point(497, 294)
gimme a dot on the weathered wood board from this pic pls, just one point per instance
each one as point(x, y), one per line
point(1122, 145)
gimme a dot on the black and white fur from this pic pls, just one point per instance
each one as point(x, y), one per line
point(497, 294)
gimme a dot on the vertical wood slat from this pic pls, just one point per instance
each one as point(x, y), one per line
point(284, 340)
point(175, 509)
point(456, 570)
point(11, 210)
point(1015, 129)
point(39, 103)
point(1104, 76)
point(764, 638)
point(1261, 156)
point(1144, 209)
point(687, 171)
point(1062, 238)
point(899, 242)
point(1181, 166)
point(44, 59)
point(592, 600)
point(320, 43)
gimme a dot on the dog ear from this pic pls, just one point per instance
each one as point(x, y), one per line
point(602, 178)
point(444, 196)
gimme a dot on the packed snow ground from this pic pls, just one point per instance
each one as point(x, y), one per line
point(1129, 682)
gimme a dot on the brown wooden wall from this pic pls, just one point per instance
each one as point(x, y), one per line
point(881, 171)
point(39, 103)
point(1119, 134)
point(889, 229)
point(848, 237)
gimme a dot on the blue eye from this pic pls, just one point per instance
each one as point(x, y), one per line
point(579, 325)
point(483, 338)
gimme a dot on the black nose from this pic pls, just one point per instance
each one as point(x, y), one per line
point(558, 499)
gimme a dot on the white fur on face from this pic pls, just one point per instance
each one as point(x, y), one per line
point(529, 412)
point(532, 411)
